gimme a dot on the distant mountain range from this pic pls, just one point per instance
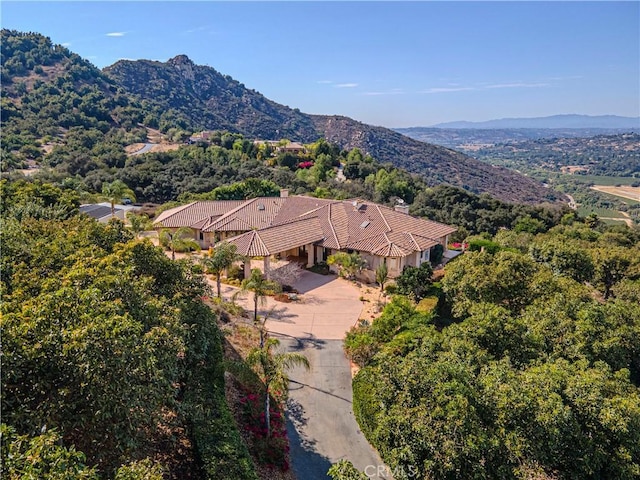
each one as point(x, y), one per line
point(554, 121)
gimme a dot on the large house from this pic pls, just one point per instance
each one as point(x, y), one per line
point(310, 229)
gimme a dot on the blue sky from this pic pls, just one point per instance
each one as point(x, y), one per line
point(396, 64)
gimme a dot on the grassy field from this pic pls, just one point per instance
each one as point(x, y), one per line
point(611, 221)
point(601, 212)
point(601, 180)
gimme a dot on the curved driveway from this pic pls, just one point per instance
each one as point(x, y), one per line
point(320, 421)
point(145, 149)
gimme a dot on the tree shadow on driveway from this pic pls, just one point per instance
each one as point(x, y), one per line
point(300, 343)
point(306, 462)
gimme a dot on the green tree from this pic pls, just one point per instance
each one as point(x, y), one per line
point(272, 369)
point(219, 259)
point(349, 264)
point(505, 278)
point(344, 470)
point(139, 223)
point(415, 282)
point(41, 457)
point(144, 469)
point(382, 273)
point(611, 266)
point(260, 287)
point(564, 258)
point(180, 240)
point(115, 192)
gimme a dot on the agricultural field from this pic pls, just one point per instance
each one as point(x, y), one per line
point(630, 194)
point(583, 211)
point(603, 180)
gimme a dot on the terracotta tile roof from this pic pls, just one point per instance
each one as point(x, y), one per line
point(336, 224)
point(255, 213)
point(250, 244)
point(279, 238)
point(195, 213)
point(392, 250)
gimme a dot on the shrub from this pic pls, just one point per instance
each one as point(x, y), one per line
point(270, 451)
point(391, 289)
point(365, 403)
point(427, 305)
point(234, 272)
point(478, 245)
point(435, 254)
point(320, 268)
point(415, 281)
point(360, 346)
point(282, 297)
point(344, 470)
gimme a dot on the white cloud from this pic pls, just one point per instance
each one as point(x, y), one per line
point(570, 77)
point(325, 82)
point(116, 34)
point(484, 87)
point(346, 85)
point(447, 89)
point(194, 30)
point(66, 44)
point(518, 85)
point(394, 91)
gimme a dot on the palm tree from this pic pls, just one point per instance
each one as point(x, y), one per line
point(138, 223)
point(349, 264)
point(180, 239)
point(219, 259)
point(116, 191)
point(382, 274)
point(260, 287)
point(272, 369)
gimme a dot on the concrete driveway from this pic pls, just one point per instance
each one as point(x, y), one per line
point(328, 307)
point(320, 421)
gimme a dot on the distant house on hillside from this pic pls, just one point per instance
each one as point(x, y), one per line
point(291, 147)
point(311, 229)
point(102, 211)
point(204, 136)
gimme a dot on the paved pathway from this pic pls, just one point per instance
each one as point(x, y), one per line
point(145, 149)
point(320, 420)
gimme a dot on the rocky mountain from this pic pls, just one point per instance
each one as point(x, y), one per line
point(211, 100)
point(60, 111)
point(215, 101)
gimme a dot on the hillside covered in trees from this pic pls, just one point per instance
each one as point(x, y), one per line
point(59, 110)
point(111, 362)
point(525, 365)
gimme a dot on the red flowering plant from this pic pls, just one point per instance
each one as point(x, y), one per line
point(306, 164)
point(269, 433)
point(271, 451)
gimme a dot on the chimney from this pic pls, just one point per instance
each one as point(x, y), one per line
point(402, 208)
point(284, 192)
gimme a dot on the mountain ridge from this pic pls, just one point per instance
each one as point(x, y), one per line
point(61, 111)
point(570, 120)
point(215, 101)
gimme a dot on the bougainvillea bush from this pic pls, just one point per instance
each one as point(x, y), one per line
point(271, 451)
